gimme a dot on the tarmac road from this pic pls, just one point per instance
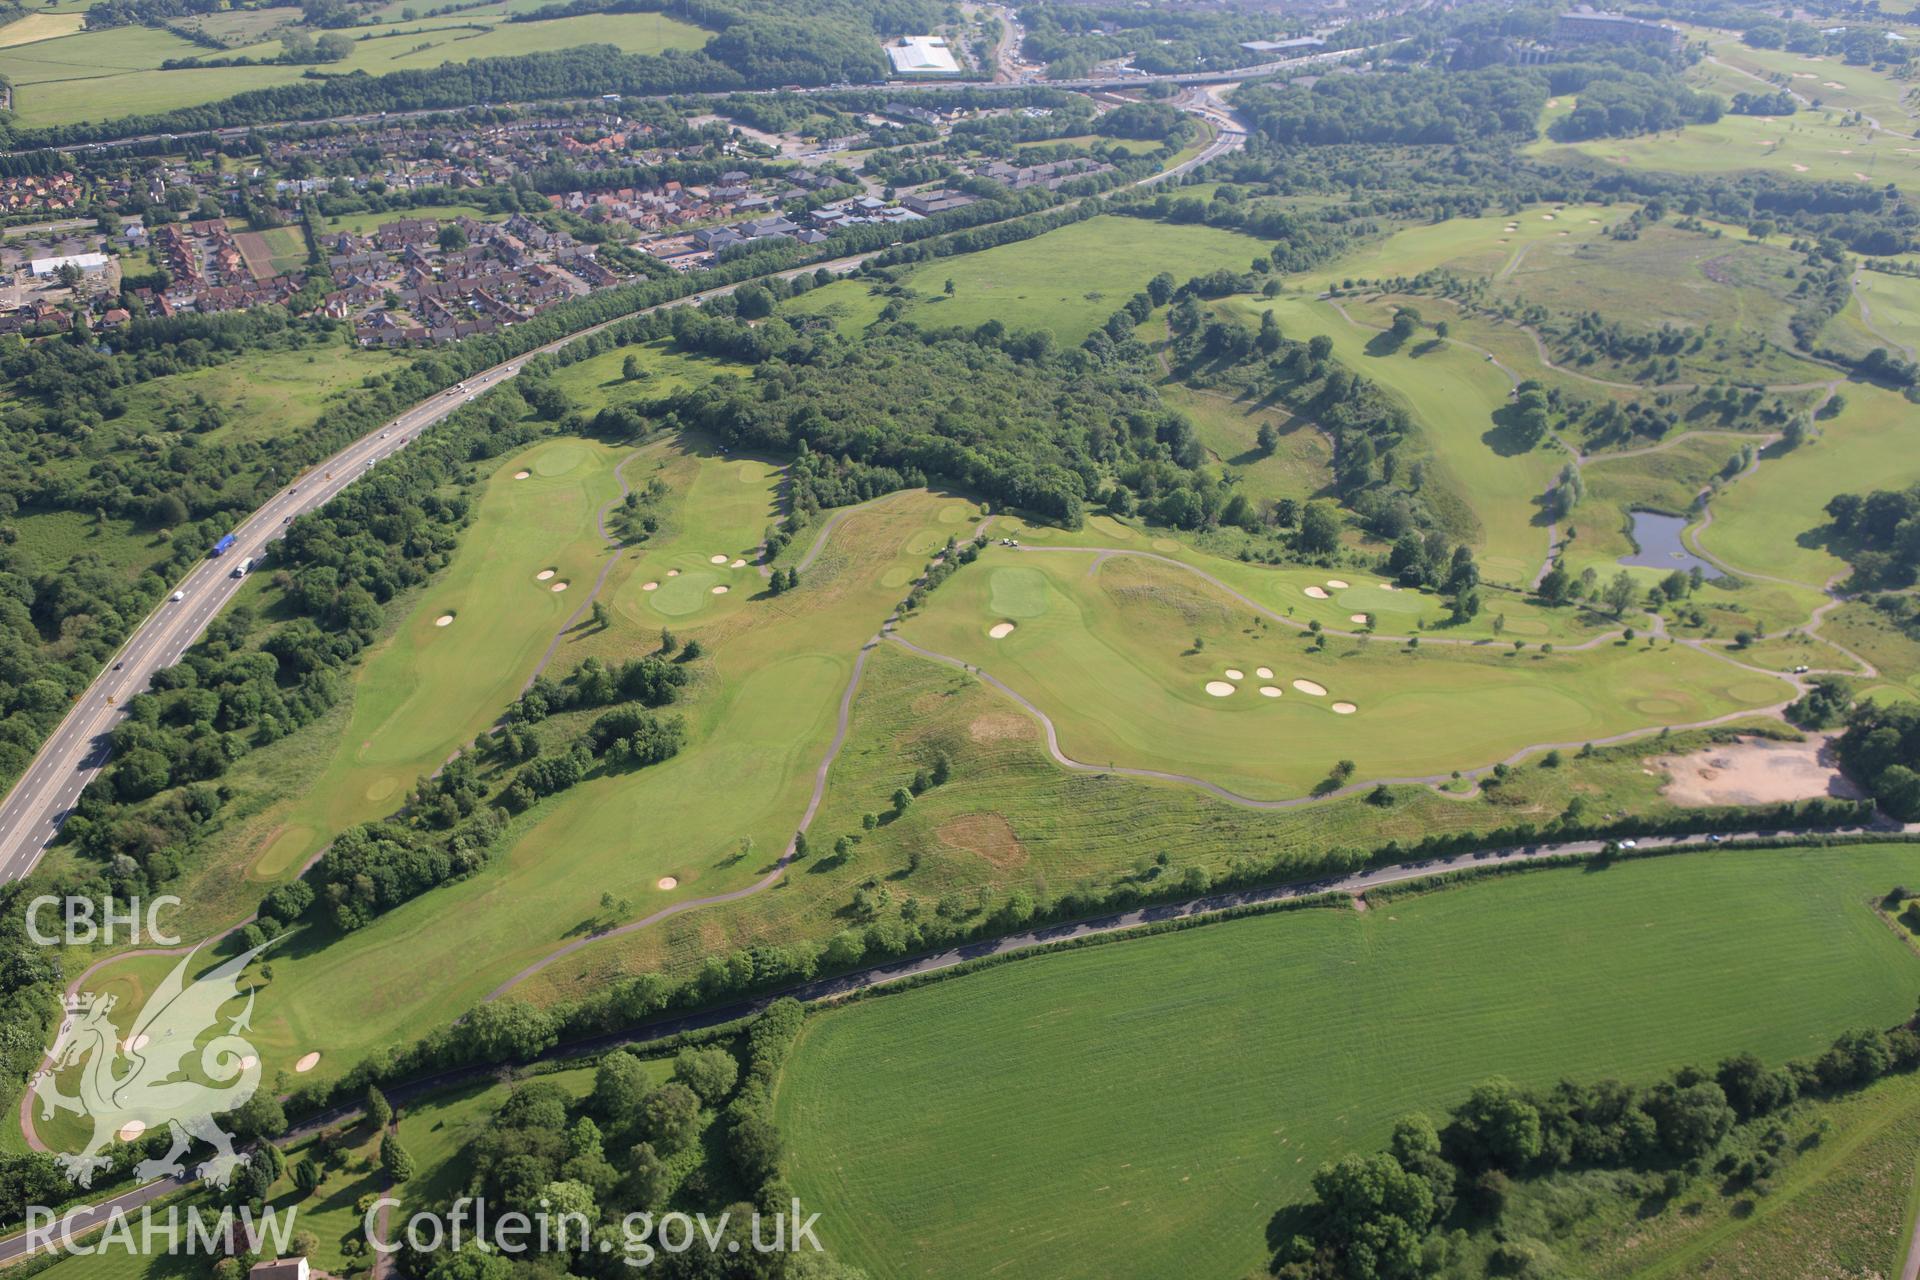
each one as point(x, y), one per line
point(74, 754)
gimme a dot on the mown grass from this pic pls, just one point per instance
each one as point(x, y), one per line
point(1145, 1107)
point(1118, 655)
point(1768, 522)
point(1455, 396)
point(1808, 146)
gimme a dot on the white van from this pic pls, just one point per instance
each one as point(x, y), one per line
point(240, 570)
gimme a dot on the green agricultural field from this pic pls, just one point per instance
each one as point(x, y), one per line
point(413, 48)
point(1466, 246)
point(1173, 1093)
point(35, 27)
point(1135, 661)
point(1454, 394)
point(1067, 281)
point(99, 75)
point(1562, 258)
point(261, 394)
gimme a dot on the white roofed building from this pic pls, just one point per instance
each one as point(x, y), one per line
point(922, 55)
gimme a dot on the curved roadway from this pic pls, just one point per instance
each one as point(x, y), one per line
point(77, 750)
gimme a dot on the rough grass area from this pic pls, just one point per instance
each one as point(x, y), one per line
point(1067, 281)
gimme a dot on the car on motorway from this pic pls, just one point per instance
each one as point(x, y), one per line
point(177, 596)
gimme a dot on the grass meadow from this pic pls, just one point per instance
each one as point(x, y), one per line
point(1066, 281)
point(1147, 1106)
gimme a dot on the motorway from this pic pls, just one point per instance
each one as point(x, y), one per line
point(1090, 84)
point(77, 750)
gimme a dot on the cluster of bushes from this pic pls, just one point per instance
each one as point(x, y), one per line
point(944, 566)
point(1385, 1215)
point(1879, 534)
point(1881, 748)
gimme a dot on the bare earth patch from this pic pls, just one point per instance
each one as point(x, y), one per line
point(1755, 771)
point(999, 727)
point(985, 835)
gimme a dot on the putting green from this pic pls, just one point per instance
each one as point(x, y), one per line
point(1381, 602)
point(1018, 592)
point(558, 459)
point(689, 593)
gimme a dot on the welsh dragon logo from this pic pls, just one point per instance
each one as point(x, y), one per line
point(134, 1086)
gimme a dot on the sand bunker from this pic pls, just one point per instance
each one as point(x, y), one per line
point(1317, 593)
point(1308, 686)
point(716, 559)
point(543, 575)
point(1344, 708)
point(131, 1130)
point(1799, 168)
point(1360, 618)
point(1268, 691)
point(1234, 673)
point(1265, 673)
point(1000, 630)
point(667, 882)
point(673, 573)
point(649, 586)
point(1219, 688)
point(248, 1062)
point(1755, 771)
point(521, 475)
point(139, 1042)
point(721, 590)
point(1386, 586)
point(1335, 584)
point(444, 620)
point(558, 586)
point(307, 1063)
point(737, 564)
point(1546, 217)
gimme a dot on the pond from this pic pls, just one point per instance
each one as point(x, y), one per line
point(1658, 537)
